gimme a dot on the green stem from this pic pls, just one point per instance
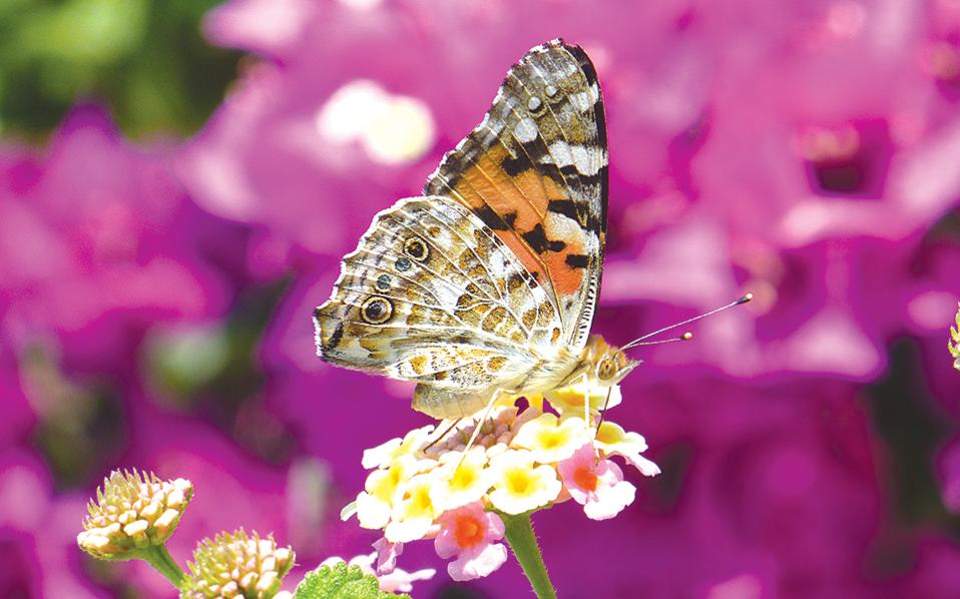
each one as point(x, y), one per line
point(160, 559)
point(524, 545)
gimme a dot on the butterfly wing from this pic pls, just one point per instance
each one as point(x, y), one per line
point(432, 295)
point(535, 172)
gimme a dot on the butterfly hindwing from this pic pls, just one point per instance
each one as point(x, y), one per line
point(535, 172)
point(432, 294)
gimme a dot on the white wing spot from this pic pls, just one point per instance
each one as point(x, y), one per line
point(581, 101)
point(584, 160)
point(525, 131)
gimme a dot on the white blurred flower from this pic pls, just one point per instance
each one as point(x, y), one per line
point(392, 129)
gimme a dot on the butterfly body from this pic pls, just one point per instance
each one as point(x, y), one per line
point(488, 282)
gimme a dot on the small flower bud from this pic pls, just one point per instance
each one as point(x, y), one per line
point(133, 511)
point(237, 565)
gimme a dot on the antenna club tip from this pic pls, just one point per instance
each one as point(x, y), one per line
point(746, 298)
point(687, 336)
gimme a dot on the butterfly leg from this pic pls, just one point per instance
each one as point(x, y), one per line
point(480, 422)
point(603, 412)
point(586, 404)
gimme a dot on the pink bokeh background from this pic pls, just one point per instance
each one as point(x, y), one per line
point(155, 297)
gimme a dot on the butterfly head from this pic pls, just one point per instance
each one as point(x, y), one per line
point(605, 363)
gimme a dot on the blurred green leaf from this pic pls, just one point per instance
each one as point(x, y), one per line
point(144, 59)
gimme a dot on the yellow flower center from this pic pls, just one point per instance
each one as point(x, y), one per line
point(387, 484)
point(420, 504)
point(608, 434)
point(519, 482)
point(464, 477)
point(468, 532)
point(551, 439)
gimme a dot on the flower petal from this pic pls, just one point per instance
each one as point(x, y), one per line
point(477, 564)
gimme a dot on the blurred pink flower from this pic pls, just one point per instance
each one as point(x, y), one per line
point(38, 533)
point(97, 240)
point(837, 163)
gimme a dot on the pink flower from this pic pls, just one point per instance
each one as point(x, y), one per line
point(597, 485)
point(387, 554)
point(469, 533)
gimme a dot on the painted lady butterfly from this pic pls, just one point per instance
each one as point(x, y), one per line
point(488, 282)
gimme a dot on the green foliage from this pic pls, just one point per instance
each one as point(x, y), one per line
point(340, 582)
point(145, 59)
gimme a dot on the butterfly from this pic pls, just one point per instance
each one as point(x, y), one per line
point(488, 282)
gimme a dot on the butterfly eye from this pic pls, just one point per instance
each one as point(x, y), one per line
point(416, 248)
point(606, 369)
point(376, 310)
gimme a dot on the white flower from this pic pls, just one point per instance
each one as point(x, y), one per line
point(461, 479)
point(519, 486)
point(383, 455)
point(613, 440)
point(374, 505)
point(550, 439)
point(413, 511)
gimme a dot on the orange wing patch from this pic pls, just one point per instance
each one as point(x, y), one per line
point(535, 172)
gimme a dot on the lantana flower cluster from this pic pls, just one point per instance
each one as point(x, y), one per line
point(133, 511)
point(237, 565)
point(523, 460)
point(953, 344)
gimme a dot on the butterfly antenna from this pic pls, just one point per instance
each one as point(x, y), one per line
point(686, 336)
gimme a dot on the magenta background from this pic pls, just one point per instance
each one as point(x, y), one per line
point(787, 473)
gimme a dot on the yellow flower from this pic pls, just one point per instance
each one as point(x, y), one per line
point(613, 439)
point(570, 399)
point(237, 565)
point(133, 511)
point(385, 453)
point(460, 481)
point(518, 485)
point(550, 439)
point(413, 511)
point(374, 505)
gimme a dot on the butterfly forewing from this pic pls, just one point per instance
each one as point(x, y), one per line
point(535, 171)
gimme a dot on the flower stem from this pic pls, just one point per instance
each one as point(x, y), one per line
point(523, 542)
point(163, 562)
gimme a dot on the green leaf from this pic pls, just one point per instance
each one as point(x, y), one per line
point(340, 582)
